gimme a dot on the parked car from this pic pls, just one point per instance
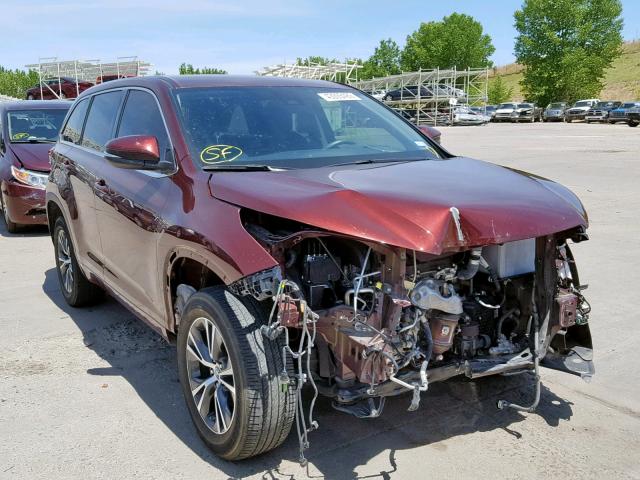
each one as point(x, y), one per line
point(431, 132)
point(506, 112)
point(447, 91)
point(633, 117)
point(527, 112)
point(53, 89)
point(306, 235)
point(554, 112)
point(413, 91)
point(464, 115)
point(484, 112)
point(407, 93)
point(490, 111)
point(620, 114)
point(600, 111)
point(517, 112)
point(579, 109)
point(27, 132)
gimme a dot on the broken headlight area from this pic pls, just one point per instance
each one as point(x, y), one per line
point(364, 321)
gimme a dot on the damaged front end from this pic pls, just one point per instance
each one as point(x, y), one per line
point(364, 320)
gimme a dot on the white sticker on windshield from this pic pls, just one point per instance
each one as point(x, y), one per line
point(338, 96)
point(420, 144)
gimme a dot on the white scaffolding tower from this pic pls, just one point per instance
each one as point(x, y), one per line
point(93, 71)
point(430, 96)
point(334, 72)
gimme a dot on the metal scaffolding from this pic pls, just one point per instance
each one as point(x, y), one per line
point(94, 71)
point(334, 72)
point(430, 96)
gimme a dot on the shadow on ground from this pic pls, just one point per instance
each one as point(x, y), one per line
point(24, 231)
point(343, 443)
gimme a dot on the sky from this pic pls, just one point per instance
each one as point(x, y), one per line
point(238, 36)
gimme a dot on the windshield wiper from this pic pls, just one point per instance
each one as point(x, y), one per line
point(370, 161)
point(239, 168)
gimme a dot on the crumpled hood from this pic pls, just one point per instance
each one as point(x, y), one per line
point(33, 156)
point(409, 204)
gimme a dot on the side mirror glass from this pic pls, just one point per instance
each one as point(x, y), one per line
point(138, 152)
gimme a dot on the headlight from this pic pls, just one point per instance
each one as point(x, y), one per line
point(514, 114)
point(34, 179)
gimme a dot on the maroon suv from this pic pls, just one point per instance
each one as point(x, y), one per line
point(28, 130)
point(294, 233)
point(58, 88)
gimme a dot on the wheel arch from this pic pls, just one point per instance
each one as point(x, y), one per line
point(187, 267)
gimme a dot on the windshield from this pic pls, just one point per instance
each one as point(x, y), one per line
point(507, 105)
point(35, 125)
point(582, 104)
point(629, 105)
point(293, 127)
point(556, 105)
point(525, 105)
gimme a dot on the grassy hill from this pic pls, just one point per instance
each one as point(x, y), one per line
point(622, 81)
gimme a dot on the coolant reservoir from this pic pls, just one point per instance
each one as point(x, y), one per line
point(512, 258)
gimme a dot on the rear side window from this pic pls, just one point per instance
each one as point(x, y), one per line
point(101, 120)
point(73, 129)
point(141, 116)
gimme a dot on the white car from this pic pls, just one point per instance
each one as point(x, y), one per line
point(579, 109)
point(506, 112)
point(465, 116)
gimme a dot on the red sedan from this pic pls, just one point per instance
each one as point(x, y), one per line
point(55, 88)
point(28, 132)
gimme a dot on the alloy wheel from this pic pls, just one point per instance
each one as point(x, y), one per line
point(210, 374)
point(64, 261)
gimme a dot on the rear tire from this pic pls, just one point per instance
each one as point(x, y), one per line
point(76, 289)
point(252, 413)
point(633, 124)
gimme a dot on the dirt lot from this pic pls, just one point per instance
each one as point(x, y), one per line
point(94, 394)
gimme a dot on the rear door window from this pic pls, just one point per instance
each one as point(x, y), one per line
point(141, 116)
point(101, 120)
point(73, 129)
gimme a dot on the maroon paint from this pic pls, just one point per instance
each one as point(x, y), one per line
point(25, 204)
point(129, 227)
point(408, 204)
point(135, 147)
point(66, 86)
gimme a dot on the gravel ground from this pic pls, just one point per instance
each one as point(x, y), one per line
point(93, 393)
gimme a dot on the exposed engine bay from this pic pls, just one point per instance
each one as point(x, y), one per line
point(364, 321)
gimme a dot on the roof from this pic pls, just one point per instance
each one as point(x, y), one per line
point(36, 105)
point(200, 81)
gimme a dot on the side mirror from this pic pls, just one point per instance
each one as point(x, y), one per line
point(137, 152)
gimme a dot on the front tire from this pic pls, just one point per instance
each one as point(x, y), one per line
point(11, 226)
point(229, 374)
point(633, 123)
point(76, 289)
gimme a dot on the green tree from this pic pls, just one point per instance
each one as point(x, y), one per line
point(456, 41)
point(384, 61)
point(497, 91)
point(15, 83)
point(566, 46)
point(187, 69)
